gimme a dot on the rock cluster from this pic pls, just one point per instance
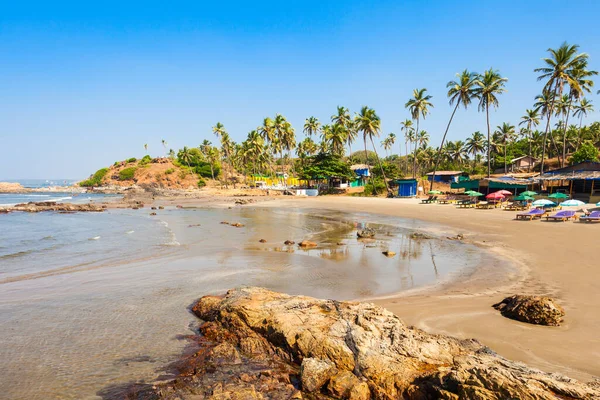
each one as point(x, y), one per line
point(258, 344)
point(366, 233)
point(34, 207)
point(531, 309)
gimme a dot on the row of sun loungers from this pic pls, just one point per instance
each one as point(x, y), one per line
point(562, 216)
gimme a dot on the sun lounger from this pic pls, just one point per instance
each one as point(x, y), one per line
point(431, 199)
point(531, 214)
point(561, 216)
point(593, 217)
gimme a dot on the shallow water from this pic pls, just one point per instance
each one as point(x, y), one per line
point(73, 333)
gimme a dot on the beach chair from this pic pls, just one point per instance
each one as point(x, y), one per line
point(562, 216)
point(531, 214)
point(429, 200)
point(593, 217)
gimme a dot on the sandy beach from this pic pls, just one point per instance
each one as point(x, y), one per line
point(554, 259)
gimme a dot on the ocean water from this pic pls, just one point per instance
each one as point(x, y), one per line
point(41, 183)
point(10, 199)
point(91, 302)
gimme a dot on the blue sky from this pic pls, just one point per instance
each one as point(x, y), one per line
point(83, 85)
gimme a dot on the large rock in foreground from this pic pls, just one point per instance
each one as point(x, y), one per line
point(531, 309)
point(35, 207)
point(254, 342)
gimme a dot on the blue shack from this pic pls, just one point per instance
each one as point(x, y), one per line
point(407, 187)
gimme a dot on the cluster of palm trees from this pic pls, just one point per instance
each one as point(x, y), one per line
point(566, 77)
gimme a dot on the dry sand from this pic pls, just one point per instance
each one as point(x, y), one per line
point(557, 259)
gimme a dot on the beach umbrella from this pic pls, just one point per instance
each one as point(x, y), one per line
point(434, 192)
point(504, 192)
point(529, 193)
point(572, 203)
point(522, 197)
point(543, 202)
point(495, 196)
point(558, 196)
point(598, 204)
point(469, 192)
point(473, 193)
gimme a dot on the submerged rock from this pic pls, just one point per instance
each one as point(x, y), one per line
point(531, 309)
point(366, 233)
point(289, 242)
point(419, 235)
point(237, 225)
point(307, 244)
point(341, 350)
point(389, 253)
point(263, 241)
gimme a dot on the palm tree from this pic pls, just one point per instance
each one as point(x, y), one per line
point(475, 145)
point(185, 155)
point(506, 133)
point(386, 144)
point(336, 138)
point(490, 85)
point(146, 148)
point(584, 107)
point(312, 126)
point(164, 144)
point(205, 149)
point(418, 106)
point(461, 91)
point(558, 72)
point(392, 138)
point(171, 153)
point(369, 124)
point(407, 127)
point(351, 133)
point(531, 119)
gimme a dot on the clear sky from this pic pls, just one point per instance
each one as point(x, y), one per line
point(83, 84)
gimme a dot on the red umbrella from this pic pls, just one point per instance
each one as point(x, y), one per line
point(495, 196)
point(504, 192)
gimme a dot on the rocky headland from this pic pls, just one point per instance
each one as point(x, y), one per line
point(259, 344)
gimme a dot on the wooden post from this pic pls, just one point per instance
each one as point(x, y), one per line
point(571, 189)
point(592, 191)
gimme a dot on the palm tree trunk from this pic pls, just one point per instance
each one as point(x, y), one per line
point(530, 140)
point(367, 164)
point(505, 148)
point(380, 166)
point(437, 158)
point(549, 112)
point(565, 131)
point(415, 152)
point(489, 143)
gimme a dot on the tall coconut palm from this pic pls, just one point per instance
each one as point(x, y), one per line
point(582, 109)
point(146, 147)
point(489, 86)
point(267, 132)
point(369, 124)
point(558, 71)
point(506, 132)
point(530, 119)
point(462, 92)
point(418, 106)
point(164, 144)
point(392, 138)
point(475, 145)
point(206, 150)
point(386, 144)
point(351, 134)
point(185, 155)
point(407, 127)
point(336, 139)
point(312, 126)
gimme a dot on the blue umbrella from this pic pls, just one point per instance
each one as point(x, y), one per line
point(572, 203)
point(598, 204)
point(543, 202)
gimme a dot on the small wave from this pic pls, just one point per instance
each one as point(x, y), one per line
point(60, 198)
point(95, 238)
point(49, 237)
point(129, 232)
point(17, 254)
point(172, 243)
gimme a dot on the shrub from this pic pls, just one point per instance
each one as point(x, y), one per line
point(132, 159)
point(116, 163)
point(587, 152)
point(203, 169)
point(96, 179)
point(146, 160)
point(169, 171)
point(201, 183)
point(127, 174)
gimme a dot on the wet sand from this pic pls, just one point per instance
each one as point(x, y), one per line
point(553, 258)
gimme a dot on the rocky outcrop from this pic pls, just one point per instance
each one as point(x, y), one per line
point(366, 233)
point(531, 309)
point(52, 206)
point(258, 344)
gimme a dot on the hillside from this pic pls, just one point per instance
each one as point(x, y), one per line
point(156, 172)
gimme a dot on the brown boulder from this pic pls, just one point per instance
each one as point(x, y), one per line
point(389, 253)
point(262, 241)
point(307, 243)
point(531, 309)
point(289, 242)
point(315, 373)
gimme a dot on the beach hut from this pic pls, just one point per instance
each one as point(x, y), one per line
point(524, 163)
point(581, 181)
point(407, 187)
point(363, 172)
point(446, 176)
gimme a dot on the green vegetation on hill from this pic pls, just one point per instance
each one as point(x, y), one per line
point(127, 174)
point(96, 179)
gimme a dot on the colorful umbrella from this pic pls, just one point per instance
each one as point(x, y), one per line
point(558, 196)
point(572, 203)
point(529, 193)
point(434, 192)
point(504, 192)
point(543, 202)
point(474, 194)
point(495, 196)
point(522, 197)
